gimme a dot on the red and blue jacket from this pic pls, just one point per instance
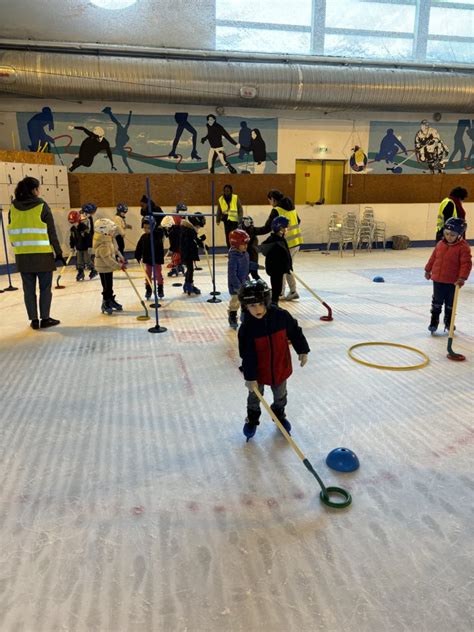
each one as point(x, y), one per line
point(263, 346)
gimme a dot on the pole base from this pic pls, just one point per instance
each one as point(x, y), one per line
point(157, 329)
point(216, 293)
point(10, 288)
point(326, 318)
point(154, 305)
point(214, 299)
point(177, 284)
point(456, 357)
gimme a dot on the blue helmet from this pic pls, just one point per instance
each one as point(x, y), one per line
point(456, 224)
point(280, 222)
point(89, 208)
point(181, 207)
point(122, 208)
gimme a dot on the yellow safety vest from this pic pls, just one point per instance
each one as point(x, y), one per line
point(231, 210)
point(27, 232)
point(442, 206)
point(293, 234)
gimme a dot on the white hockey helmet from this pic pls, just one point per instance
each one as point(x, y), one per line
point(105, 226)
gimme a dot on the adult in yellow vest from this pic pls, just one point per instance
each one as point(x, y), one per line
point(32, 234)
point(229, 211)
point(451, 206)
point(283, 205)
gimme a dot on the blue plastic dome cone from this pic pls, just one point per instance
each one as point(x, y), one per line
point(378, 279)
point(342, 460)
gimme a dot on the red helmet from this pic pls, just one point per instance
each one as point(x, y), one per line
point(238, 237)
point(73, 217)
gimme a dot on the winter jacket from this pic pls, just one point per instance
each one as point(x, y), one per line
point(189, 242)
point(38, 262)
point(277, 255)
point(263, 345)
point(252, 246)
point(79, 237)
point(121, 224)
point(286, 204)
point(237, 270)
point(450, 262)
point(156, 211)
point(143, 249)
point(106, 252)
point(90, 233)
point(174, 235)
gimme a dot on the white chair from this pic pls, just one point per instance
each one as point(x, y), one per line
point(379, 233)
point(334, 230)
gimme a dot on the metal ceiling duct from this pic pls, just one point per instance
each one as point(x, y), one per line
point(253, 82)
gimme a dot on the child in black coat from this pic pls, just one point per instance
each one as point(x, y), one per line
point(277, 256)
point(79, 239)
point(189, 245)
point(143, 253)
point(252, 246)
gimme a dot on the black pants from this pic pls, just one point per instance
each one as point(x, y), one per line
point(45, 280)
point(121, 244)
point(277, 287)
point(255, 275)
point(189, 276)
point(443, 293)
point(229, 227)
point(107, 280)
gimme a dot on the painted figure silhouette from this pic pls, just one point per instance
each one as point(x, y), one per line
point(121, 136)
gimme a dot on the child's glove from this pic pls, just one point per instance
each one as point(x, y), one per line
point(60, 259)
point(427, 275)
point(129, 226)
point(123, 266)
point(460, 282)
point(251, 384)
point(202, 238)
point(303, 358)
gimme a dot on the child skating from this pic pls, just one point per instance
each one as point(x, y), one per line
point(143, 253)
point(449, 265)
point(79, 240)
point(237, 270)
point(89, 210)
point(189, 245)
point(174, 236)
point(107, 259)
point(277, 256)
point(263, 347)
point(252, 247)
point(122, 226)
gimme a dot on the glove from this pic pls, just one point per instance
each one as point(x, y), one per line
point(60, 259)
point(460, 282)
point(251, 384)
point(123, 266)
point(427, 275)
point(202, 237)
point(303, 358)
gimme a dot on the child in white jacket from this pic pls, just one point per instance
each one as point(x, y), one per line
point(107, 259)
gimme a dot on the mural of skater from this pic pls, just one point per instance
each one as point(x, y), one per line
point(182, 122)
point(38, 137)
point(429, 148)
point(389, 147)
point(94, 144)
point(121, 136)
point(214, 135)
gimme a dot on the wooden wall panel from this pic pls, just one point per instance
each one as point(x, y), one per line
point(31, 157)
point(168, 189)
point(403, 188)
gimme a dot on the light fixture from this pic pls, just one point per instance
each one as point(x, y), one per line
point(113, 5)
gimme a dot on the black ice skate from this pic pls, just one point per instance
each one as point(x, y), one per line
point(80, 275)
point(116, 306)
point(106, 308)
point(233, 320)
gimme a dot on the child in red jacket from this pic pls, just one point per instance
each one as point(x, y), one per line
point(263, 347)
point(448, 266)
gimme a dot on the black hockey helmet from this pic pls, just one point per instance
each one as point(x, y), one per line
point(253, 292)
point(197, 219)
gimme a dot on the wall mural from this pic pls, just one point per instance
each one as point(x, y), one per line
point(424, 147)
point(137, 143)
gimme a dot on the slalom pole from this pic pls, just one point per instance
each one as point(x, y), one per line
point(329, 314)
point(157, 329)
point(214, 292)
point(10, 287)
point(58, 286)
point(452, 355)
point(325, 491)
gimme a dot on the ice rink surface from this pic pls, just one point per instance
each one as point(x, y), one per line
point(130, 501)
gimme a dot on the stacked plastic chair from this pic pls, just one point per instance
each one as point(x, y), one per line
point(379, 233)
point(349, 232)
point(367, 228)
point(334, 230)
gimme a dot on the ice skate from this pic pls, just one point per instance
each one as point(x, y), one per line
point(173, 272)
point(161, 292)
point(116, 306)
point(250, 428)
point(80, 275)
point(93, 273)
point(433, 326)
point(233, 320)
point(291, 296)
point(106, 308)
